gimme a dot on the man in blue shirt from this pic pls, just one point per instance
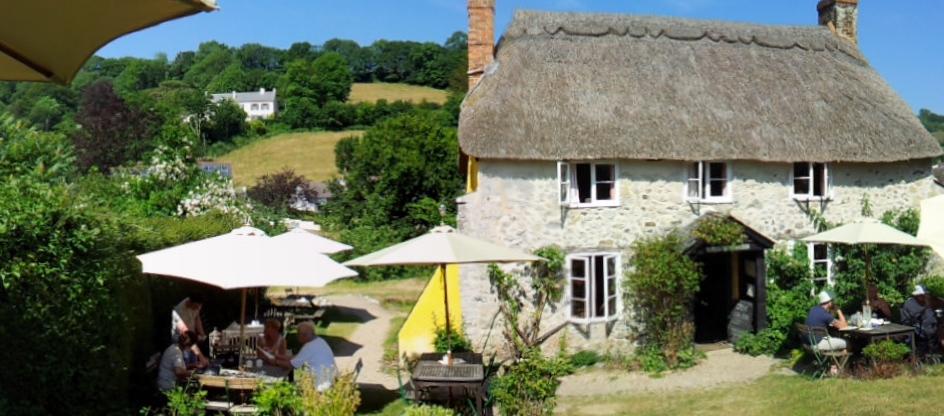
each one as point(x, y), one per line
point(821, 316)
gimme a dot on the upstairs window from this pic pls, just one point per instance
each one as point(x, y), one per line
point(255, 107)
point(821, 264)
point(708, 182)
point(593, 287)
point(810, 181)
point(587, 184)
point(265, 106)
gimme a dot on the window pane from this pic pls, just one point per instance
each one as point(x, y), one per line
point(717, 171)
point(717, 187)
point(819, 179)
point(604, 173)
point(578, 289)
point(598, 287)
point(693, 185)
point(610, 287)
point(801, 170)
point(801, 186)
point(693, 171)
point(604, 191)
point(820, 252)
point(578, 309)
point(611, 266)
point(612, 307)
point(564, 190)
point(583, 182)
point(578, 268)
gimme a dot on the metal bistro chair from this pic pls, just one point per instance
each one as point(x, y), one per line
point(824, 359)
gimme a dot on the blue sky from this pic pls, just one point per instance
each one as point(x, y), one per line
point(904, 40)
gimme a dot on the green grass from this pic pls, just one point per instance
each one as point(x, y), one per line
point(310, 154)
point(395, 295)
point(374, 91)
point(775, 395)
point(390, 343)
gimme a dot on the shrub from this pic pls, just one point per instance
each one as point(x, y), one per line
point(342, 399)
point(183, 402)
point(768, 342)
point(719, 231)
point(585, 359)
point(529, 386)
point(226, 120)
point(663, 282)
point(278, 399)
point(885, 357)
point(281, 189)
point(935, 285)
point(24, 151)
point(455, 341)
point(427, 410)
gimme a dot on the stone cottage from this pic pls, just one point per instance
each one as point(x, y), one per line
point(590, 131)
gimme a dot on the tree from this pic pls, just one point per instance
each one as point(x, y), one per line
point(111, 132)
point(300, 112)
point(359, 59)
point(233, 78)
point(332, 78)
point(281, 189)
point(256, 56)
point(46, 113)
point(227, 120)
point(140, 74)
point(211, 59)
point(300, 51)
point(297, 81)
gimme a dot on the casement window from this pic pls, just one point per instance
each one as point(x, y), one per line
point(593, 286)
point(821, 263)
point(810, 181)
point(265, 106)
point(255, 107)
point(708, 182)
point(587, 184)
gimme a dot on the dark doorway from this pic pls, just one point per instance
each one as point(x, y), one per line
point(714, 299)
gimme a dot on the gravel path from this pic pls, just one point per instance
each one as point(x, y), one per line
point(721, 367)
point(366, 343)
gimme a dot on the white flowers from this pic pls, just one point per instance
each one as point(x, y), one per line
point(214, 194)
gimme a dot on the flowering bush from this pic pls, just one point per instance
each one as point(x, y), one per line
point(215, 193)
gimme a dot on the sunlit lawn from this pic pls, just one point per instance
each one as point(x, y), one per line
point(398, 295)
point(371, 92)
point(310, 154)
point(777, 395)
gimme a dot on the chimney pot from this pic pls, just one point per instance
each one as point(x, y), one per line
point(262, 90)
point(481, 38)
point(841, 17)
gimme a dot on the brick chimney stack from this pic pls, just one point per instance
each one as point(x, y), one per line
point(481, 38)
point(840, 16)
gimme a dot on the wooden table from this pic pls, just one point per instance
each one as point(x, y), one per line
point(468, 377)
point(883, 332)
point(242, 381)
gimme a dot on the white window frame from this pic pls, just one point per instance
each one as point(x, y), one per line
point(828, 262)
point(571, 199)
point(827, 182)
point(590, 298)
point(702, 198)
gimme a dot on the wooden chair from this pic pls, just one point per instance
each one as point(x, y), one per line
point(824, 358)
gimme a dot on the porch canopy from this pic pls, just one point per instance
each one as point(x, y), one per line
point(50, 40)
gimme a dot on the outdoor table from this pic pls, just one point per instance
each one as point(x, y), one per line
point(882, 332)
point(468, 377)
point(242, 382)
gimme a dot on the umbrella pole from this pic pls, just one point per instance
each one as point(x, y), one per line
point(442, 268)
point(242, 329)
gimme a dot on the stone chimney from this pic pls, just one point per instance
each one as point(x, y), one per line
point(840, 16)
point(481, 38)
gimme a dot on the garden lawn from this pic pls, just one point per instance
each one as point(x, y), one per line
point(310, 154)
point(395, 295)
point(374, 91)
point(776, 395)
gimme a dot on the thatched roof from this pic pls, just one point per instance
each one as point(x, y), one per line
point(598, 86)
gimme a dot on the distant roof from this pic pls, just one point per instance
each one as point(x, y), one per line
point(246, 97)
point(597, 86)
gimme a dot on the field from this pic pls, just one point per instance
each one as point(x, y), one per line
point(308, 154)
point(371, 92)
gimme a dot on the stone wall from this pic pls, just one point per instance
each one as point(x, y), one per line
point(516, 205)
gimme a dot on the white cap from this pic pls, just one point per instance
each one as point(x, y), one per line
point(824, 297)
point(918, 290)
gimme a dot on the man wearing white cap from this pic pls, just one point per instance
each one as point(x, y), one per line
point(821, 316)
point(916, 313)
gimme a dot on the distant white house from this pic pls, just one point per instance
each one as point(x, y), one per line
point(257, 104)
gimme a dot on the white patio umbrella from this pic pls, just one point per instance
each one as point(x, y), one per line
point(300, 239)
point(868, 231)
point(244, 258)
point(931, 229)
point(439, 247)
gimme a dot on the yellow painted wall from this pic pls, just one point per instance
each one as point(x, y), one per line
point(419, 331)
point(472, 181)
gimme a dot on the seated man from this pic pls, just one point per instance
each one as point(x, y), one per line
point(916, 313)
point(821, 316)
point(173, 368)
point(314, 353)
point(186, 317)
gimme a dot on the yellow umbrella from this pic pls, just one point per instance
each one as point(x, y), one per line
point(50, 40)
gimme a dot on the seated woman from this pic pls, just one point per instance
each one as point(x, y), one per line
point(271, 341)
point(880, 307)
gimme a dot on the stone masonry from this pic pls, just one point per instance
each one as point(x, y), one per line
point(516, 205)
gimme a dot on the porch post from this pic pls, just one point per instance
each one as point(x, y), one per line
point(760, 296)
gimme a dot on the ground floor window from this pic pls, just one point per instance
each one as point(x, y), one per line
point(593, 286)
point(821, 263)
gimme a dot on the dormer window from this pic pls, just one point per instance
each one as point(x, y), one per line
point(587, 184)
point(708, 182)
point(810, 181)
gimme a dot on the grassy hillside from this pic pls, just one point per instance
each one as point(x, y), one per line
point(310, 154)
point(371, 92)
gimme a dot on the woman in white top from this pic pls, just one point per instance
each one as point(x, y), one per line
point(271, 341)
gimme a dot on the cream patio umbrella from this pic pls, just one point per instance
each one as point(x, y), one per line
point(931, 229)
point(49, 40)
point(300, 239)
point(244, 258)
point(439, 247)
point(867, 232)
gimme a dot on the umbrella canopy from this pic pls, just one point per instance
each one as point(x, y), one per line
point(243, 258)
point(442, 245)
point(865, 232)
point(49, 40)
point(932, 223)
point(307, 241)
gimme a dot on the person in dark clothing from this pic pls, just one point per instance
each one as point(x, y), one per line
point(916, 313)
point(821, 316)
point(879, 306)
